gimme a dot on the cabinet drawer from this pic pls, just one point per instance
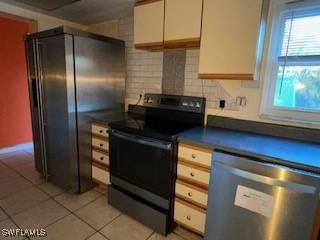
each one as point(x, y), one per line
point(100, 144)
point(199, 156)
point(99, 130)
point(193, 194)
point(193, 174)
point(100, 175)
point(100, 157)
point(189, 216)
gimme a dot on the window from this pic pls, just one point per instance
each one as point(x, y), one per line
point(292, 81)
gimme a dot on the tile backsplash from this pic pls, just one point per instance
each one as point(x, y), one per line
point(150, 72)
point(173, 71)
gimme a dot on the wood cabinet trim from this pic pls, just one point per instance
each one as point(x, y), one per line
point(194, 182)
point(150, 46)
point(198, 148)
point(100, 166)
point(143, 2)
point(192, 186)
point(100, 125)
point(188, 227)
point(187, 42)
point(226, 76)
point(100, 150)
point(190, 205)
point(100, 137)
point(188, 200)
point(193, 165)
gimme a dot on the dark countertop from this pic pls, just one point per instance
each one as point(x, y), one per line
point(291, 153)
point(107, 116)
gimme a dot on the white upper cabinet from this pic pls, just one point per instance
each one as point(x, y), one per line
point(182, 22)
point(149, 24)
point(229, 39)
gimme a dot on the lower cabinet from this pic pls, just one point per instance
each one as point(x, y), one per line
point(100, 154)
point(100, 175)
point(190, 216)
point(191, 189)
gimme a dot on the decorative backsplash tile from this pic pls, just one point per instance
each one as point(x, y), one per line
point(173, 72)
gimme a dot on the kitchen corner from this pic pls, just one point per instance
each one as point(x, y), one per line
point(249, 158)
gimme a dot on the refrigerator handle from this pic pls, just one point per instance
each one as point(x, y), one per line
point(297, 187)
point(34, 92)
point(41, 113)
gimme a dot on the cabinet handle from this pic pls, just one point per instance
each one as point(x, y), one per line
point(193, 156)
point(188, 218)
point(101, 131)
point(190, 194)
point(101, 145)
point(101, 158)
point(192, 174)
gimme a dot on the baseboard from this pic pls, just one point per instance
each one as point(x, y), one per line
point(19, 147)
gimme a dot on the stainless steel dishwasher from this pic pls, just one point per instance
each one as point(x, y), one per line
point(254, 200)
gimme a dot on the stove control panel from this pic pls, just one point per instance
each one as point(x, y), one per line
point(183, 103)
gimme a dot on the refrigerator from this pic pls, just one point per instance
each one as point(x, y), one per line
point(71, 74)
point(252, 199)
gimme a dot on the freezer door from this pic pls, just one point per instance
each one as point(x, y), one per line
point(100, 85)
point(250, 200)
point(58, 106)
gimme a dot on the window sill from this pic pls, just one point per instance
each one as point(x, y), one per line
point(303, 123)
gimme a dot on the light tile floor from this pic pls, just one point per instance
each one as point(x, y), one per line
point(27, 201)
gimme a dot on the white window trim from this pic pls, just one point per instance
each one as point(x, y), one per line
point(267, 110)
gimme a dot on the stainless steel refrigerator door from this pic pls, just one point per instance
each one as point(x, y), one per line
point(250, 200)
point(100, 85)
point(35, 105)
point(58, 107)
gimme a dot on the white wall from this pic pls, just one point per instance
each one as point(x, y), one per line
point(108, 28)
point(44, 21)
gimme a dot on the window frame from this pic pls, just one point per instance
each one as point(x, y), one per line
point(267, 109)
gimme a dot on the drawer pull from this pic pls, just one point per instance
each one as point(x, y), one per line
point(101, 158)
point(188, 218)
point(101, 131)
point(190, 194)
point(101, 144)
point(192, 174)
point(193, 156)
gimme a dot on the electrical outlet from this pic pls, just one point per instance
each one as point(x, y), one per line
point(222, 104)
point(241, 101)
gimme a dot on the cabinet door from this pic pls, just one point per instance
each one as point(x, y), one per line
point(229, 41)
point(148, 24)
point(182, 22)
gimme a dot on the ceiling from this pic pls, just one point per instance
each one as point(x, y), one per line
point(85, 12)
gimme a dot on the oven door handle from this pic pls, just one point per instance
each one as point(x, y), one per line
point(152, 143)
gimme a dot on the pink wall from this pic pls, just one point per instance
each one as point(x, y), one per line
point(15, 120)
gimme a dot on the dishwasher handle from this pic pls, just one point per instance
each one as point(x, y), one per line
point(297, 187)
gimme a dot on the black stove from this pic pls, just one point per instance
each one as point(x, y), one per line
point(143, 156)
point(163, 116)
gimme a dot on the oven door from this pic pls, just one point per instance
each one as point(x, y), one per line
point(142, 166)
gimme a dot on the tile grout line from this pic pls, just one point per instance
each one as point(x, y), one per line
point(150, 235)
point(70, 212)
